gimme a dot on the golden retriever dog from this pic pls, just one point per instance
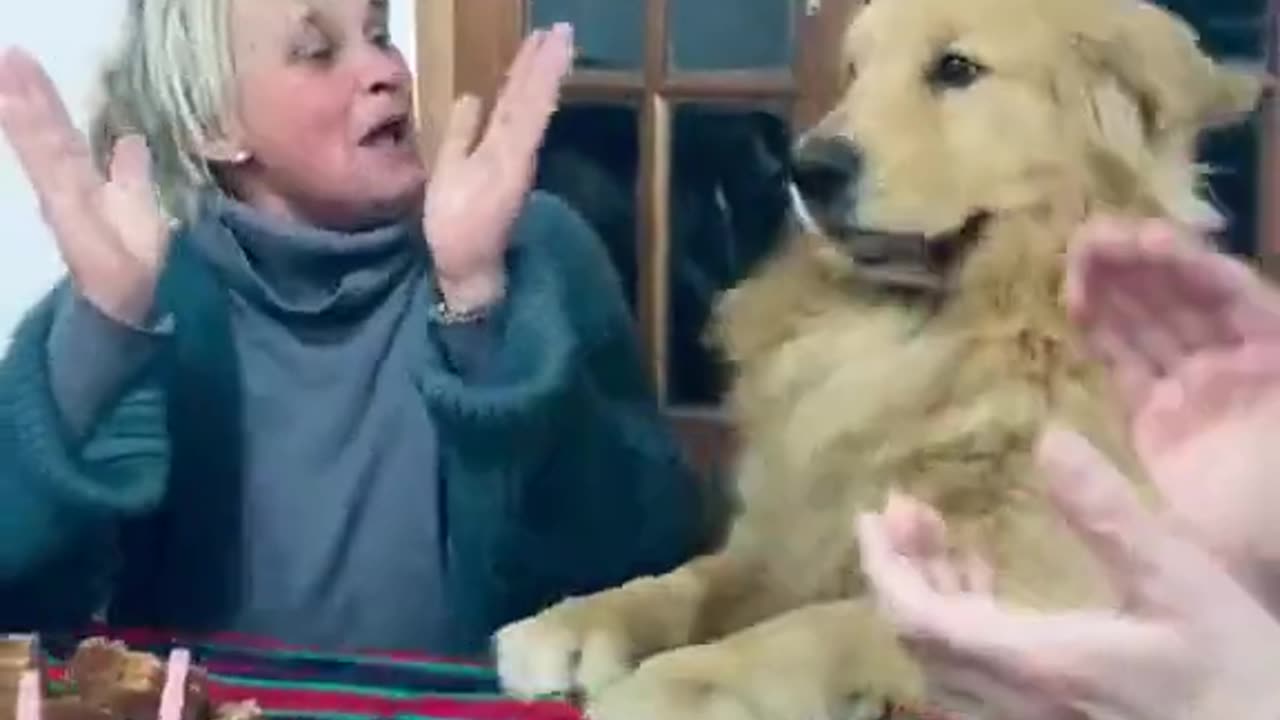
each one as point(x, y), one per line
point(913, 339)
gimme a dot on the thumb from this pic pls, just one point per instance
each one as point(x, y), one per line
point(1099, 505)
point(460, 132)
point(914, 528)
point(130, 164)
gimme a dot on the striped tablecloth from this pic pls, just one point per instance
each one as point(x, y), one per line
point(288, 682)
point(294, 683)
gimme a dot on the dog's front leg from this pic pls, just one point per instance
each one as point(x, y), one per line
point(584, 644)
point(832, 661)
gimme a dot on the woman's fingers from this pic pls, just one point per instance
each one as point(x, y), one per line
point(526, 108)
point(1094, 499)
point(903, 591)
point(918, 533)
point(459, 133)
point(1113, 325)
point(978, 575)
point(512, 98)
point(53, 154)
point(1154, 569)
point(1148, 291)
point(550, 67)
point(54, 157)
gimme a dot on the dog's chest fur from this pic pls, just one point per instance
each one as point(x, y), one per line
point(843, 394)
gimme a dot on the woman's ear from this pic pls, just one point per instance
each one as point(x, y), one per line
point(225, 146)
point(223, 152)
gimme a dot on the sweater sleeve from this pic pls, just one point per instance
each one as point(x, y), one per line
point(63, 496)
point(83, 389)
point(561, 474)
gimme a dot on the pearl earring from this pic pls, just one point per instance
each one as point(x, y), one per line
point(240, 157)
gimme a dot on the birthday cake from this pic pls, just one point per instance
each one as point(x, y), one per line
point(105, 680)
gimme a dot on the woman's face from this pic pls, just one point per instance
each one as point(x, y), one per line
point(324, 111)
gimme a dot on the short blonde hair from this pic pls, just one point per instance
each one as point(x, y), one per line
point(171, 80)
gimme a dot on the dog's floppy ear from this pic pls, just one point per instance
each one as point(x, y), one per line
point(1156, 58)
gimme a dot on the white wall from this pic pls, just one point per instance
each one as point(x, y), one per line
point(69, 37)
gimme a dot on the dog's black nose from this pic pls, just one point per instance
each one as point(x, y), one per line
point(825, 169)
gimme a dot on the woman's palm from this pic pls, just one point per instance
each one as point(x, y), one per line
point(110, 230)
point(1194, 338)
point(475, 194)
point(1209, 437)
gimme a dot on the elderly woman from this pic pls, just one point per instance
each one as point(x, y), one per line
point(292, 389)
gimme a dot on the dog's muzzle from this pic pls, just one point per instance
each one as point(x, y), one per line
point(825, 175)
point(911, 261)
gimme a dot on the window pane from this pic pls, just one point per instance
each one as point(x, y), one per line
point(590, 160)
point(728, 204)
point(739, 35)
point(609, 33)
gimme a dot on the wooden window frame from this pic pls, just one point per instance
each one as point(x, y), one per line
point(465, 46)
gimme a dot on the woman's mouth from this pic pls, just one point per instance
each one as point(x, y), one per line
point(392, 132)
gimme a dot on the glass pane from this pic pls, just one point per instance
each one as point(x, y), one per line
point(728, 205)
point(738, 35)
point(609, 33)
point(1234, 30)
point(590, 159)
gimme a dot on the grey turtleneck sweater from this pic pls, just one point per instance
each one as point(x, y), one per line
point(342, 517)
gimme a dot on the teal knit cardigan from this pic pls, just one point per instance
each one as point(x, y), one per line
point(561, 475)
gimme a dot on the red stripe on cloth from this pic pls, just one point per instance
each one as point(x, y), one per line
point(284, 701)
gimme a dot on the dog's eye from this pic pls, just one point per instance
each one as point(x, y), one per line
point(954, 71)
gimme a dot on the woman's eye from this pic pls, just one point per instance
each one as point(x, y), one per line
point(312, 45)
point(954, 71)
point(315, 52)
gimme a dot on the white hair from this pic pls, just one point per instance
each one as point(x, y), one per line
point(172, 81)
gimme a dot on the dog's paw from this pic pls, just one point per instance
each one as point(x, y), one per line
point(568, 649)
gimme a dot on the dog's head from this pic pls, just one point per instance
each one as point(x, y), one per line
point(957, 113)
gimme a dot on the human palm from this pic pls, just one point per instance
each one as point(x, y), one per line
point(109, 229)
point(475, 193)
point(1193, 338)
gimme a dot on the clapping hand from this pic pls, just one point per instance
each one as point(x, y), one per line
point(1188, 644)
point(476, 193)
point(109, 229)
point(1192, 338)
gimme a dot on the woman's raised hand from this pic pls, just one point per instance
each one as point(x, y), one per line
point(110, 230)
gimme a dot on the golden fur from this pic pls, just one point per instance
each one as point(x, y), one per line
point(844, 391)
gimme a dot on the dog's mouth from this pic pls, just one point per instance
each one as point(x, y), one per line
point(899, 261)
point(910, 262)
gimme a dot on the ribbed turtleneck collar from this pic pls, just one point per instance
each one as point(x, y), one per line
point(288, 269)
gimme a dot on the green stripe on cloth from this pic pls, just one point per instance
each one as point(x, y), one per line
point(349, 689)
point(431, 666)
